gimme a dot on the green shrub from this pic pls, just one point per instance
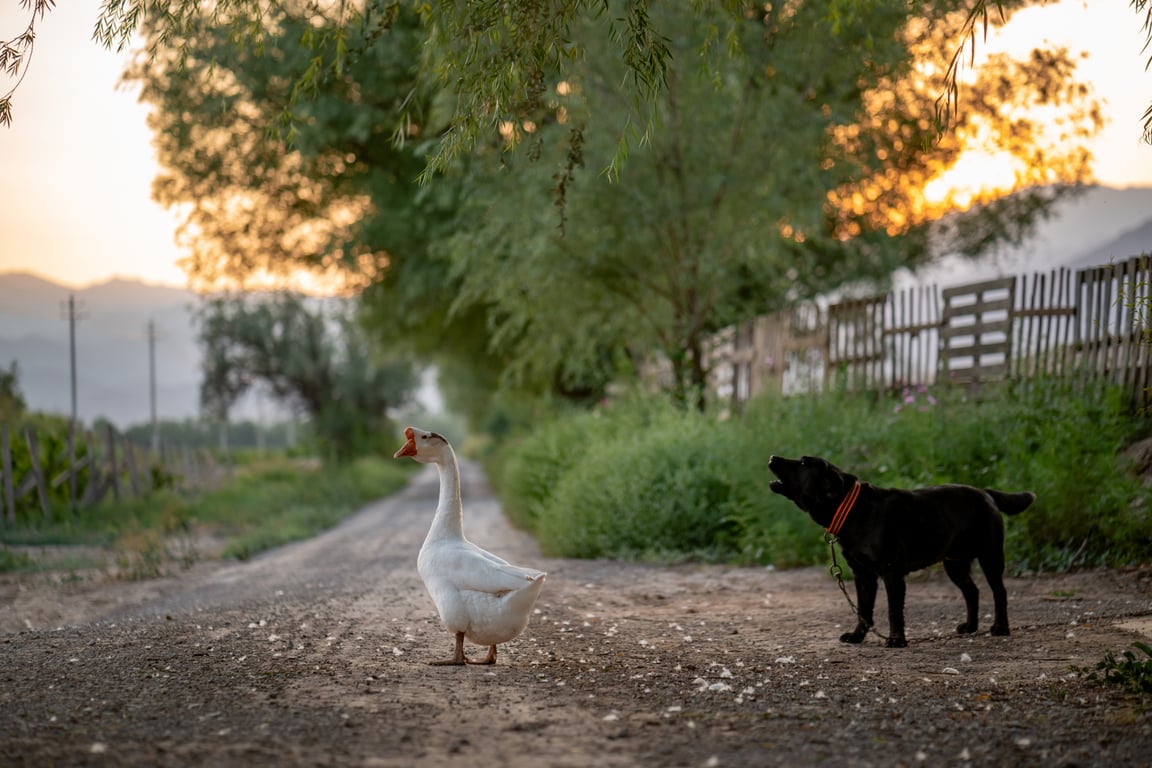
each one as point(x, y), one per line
point(52, 455)
point(660, 490)
point(642, 479)
point(528, 469)
point(1131, 671)
point(533, 466)
point(264, 504)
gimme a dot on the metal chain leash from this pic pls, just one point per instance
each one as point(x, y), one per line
point(838, 573)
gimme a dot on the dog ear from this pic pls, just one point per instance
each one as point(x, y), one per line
point(839, 482)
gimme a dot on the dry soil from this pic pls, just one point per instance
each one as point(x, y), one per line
point(316, 655)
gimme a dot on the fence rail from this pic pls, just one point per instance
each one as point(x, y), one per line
point(92, 467)
point(1093, 324)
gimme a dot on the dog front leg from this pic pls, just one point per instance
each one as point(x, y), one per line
point(865, 602)
point(894, 587)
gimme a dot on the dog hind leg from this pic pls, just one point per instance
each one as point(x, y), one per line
point(992, 563)
point(960, 572)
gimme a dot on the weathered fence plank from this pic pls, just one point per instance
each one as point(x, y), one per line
point(37, 473)
point(976, 332)
point(6, 470)
point(1090, 325)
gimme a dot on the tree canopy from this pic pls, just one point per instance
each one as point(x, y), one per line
point(792, 164)
point(493, 56)
point(790, 158)
point(772, 153)
point(12, 403)
point(311, 356)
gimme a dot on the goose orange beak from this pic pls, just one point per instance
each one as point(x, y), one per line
point(409, 448)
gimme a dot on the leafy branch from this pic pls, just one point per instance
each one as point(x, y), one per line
point(948, 104)
point(1145, 6)
point(1130, 671)
point(16, 53)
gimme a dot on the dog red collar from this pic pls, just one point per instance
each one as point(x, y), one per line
point(843, 510)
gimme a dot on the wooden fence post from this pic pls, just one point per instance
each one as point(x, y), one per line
point(1086, 326)
point(6, 471)
point(113, 464)
point(73, 501)
point(92, 489)
point(37, 473)
point(130, 465)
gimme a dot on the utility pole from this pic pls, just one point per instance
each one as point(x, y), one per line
point(152, 386)
point(72, 316)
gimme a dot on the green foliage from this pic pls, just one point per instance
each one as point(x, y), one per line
point(774, 152)
point(1130, 671)
point(51, 433)
point(312, 356)
point(12, 403)
point(266, 203)
point(640, 479)
point(531, 470)
point(273, 503)
point(775, 173)
point(13, 561)
point(644, 479)
point(265, 504)
point(1058, 442)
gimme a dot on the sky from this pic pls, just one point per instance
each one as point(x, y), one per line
point(77, 164)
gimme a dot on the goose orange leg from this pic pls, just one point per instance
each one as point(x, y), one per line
point(489, 659)
point(458, 658)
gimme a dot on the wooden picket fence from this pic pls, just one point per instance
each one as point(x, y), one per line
point(98, 466)
point(1090, 326)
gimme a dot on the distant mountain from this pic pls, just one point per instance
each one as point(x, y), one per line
point(1134, 242)
point(112, 357)
point(1085, 230)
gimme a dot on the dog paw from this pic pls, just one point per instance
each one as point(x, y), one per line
point(896, 642)
point(1001, 630)
point(852, 637)
point(965, 628)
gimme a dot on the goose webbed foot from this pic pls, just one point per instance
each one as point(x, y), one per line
point(489, 659)
point(458, 658)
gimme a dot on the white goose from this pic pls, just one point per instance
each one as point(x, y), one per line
point(479, 596)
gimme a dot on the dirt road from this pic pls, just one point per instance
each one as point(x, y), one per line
point(316, 655)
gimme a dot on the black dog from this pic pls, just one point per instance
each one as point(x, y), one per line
point(887, 533)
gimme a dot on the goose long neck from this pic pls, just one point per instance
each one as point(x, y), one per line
point(449, 519)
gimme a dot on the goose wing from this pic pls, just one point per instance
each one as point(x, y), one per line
point(469, 567)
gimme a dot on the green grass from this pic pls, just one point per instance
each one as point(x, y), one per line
point(1130, 670)
point(262, 505)
point(644, 480)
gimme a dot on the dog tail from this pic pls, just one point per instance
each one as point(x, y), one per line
point(1011, 503)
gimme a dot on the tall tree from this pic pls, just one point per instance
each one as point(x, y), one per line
point(336, 195)
point(341, 198)
point(491, 55)
point(312, 356)
point(12, 404)
point(795, 167)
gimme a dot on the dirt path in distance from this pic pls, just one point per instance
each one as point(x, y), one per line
point(316, 655)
